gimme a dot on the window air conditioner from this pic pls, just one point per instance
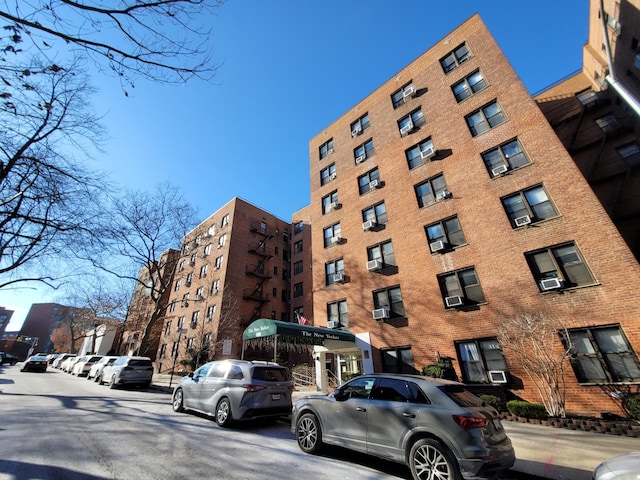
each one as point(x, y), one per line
point(336, 239)
point(454, 301)
point(497, 376)
point(374, 265)
point(522, 221)
point(333, 206)
point(338, 277)
point(329, 151)
point(551, 283)
point(436, 246)
point(369, 225)
point(408, 91)
point(444, 194)
point(500, 169)
point(374, 184)
point(380, 314)
point(333, 324)
point(333, 176)
point(357, 130)
point(406, 129)
point(361, 158)
point(427, 153)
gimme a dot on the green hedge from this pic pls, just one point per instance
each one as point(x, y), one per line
point(527, 409)
point(492, 400)
point(440, 370)
point(632, 404)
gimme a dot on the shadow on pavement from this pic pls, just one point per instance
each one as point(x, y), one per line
point(30, 471)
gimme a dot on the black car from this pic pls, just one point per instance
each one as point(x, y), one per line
point(8, 359)
point(35, 363)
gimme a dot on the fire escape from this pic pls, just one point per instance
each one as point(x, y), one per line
point(259, 271)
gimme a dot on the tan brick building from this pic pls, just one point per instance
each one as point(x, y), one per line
point(444, 203)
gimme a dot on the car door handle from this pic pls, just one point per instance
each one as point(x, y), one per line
point(409, 415)
point(360, 409)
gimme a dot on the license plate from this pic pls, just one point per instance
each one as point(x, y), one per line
point(275, 396)
point(497, 424)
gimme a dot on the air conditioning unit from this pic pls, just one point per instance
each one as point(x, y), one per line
point(374, 184)
point(336, 239)
point(443, 195)
point(333, 206)
point(499, 170)
point(357, 130)
point(522, 221)
point(408, 91)
point(551, 283)
point(427, 153)
point(374, 265)
point(333, 324)
point(333, 176)
point(380, 314)
point(338, 277)
point(437, 246)
point(406, 129)
point(361, 158)
point(454, 301)
point(369, 225)
point(330, 151)
point(497, 376)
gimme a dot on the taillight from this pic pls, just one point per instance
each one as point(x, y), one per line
point(254, 388)
point(468, 423)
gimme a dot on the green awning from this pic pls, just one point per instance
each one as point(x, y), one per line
point(265, 327)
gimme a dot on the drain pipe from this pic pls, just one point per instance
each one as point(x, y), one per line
point(626, 96)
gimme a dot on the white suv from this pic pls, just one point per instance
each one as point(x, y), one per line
point(128, 371)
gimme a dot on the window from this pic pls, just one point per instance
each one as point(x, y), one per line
point(630, 153)
point(172, 306)
point(397, 360)
point(219, 261)
point(327, 174)
point(285, 274)
point(222, 240)
point(383, 251)
point(215, 286)
point(485, 118)
point(206, 340)
point(609, 123)
point(180, 322)
point(469, 85)
point(297, 267)
point(401, 96)
point(432, 190)
point(461, 287)
point(198, 240)
point(163, 350)
point(203, 271)
point(225, 220)
point(454, 58)
point(298, 227)
point(207, 250)
point(334, 272)
point(369, 181)
point(364, 151)
point(177, 287)
point(478, 357)
point(211, 310)
point(190, 343)
point(193, 258)
point(337, 314)
point(528, 206)
point(326, 148)
point(199, 291)
point(195, 316)
point(167, 328)
point(411, 122)
point(181, 265)
point(174, 349)
point(562, 262)
point(587, 97)
point(330, 202)
point(332, 235)
point(390, 298)
point(420, 154)
point(360, 125)
point(377, 214)
point(602, 355)
point(297, 247)
point(274, 294)
point(506, 157)
point(187, 282)
point(298, 290)
point(445, 233)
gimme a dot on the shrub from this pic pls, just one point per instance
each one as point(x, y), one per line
point(440, 370)
point(632, 405)
point(492, 400)
point(527, 409)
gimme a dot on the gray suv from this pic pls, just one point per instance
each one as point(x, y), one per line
point(234, 390)
point(128, 371)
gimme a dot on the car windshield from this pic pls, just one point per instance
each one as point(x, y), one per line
point(462, 397)
point(270, 374)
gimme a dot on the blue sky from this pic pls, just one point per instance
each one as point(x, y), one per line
point(289, 69)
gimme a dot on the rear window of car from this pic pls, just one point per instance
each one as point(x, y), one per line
point(269, 374)
point(462, 397)
point(140, 363)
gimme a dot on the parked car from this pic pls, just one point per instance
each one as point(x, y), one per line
point(8, 359)
point(57, 363)
point(96, 368)
point(35, 363)
point(623, 467)
point(235, 390)
point(435, 427)
point(67, 365)
point(51, 357)
point(128, 371)
point(83, 365)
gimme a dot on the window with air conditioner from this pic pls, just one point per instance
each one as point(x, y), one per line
point(485, 118)
point(482, 361)
point(326, 149)
point(382, 252)
point(337, 314)
point(420, 154)
point(445, 234)
point(505, 158)
point(374, 216)
point(334, 271)
point(431, 190)
point(364, 151)
point(403, 95)
point(332, 235)
point(412, 122)
point(330, 202)
point(389, 299)
point(528, 206)
point(360, 125)
point(374, 265)
point(455, 58)
point(463, 284)
point(364, 181)
point(561, 265)
point(472, 83)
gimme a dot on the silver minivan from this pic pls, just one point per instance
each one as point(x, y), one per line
point(235, 390)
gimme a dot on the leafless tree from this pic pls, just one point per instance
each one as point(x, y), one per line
point(228, 326)
point(161, 40)
point(536, 345)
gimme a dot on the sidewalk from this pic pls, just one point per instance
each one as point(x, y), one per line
point(553, 453)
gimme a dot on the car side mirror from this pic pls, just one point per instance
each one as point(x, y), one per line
point(190, 375)
point(339, 395)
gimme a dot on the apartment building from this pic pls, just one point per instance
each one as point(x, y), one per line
point(234, 268)
point(444, 203)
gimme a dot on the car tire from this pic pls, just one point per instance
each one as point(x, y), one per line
point(430, 460)
point(308, 433)
point(101, 380)
point(97, 379)
point(178, 401)
point(112, 382)
point(223, 413)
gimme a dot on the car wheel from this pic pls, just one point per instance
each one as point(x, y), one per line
point(308, 433)
point(178, 401)
point(112, 382)
point(101, 380)
point(223, 413)
point(430, 460)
